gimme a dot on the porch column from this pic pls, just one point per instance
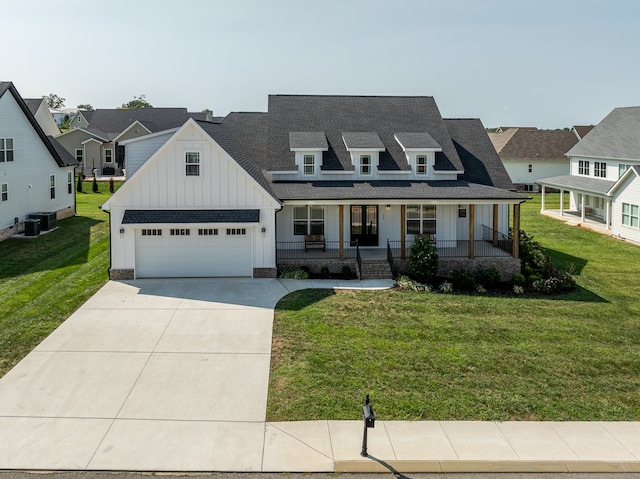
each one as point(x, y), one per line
point(582, 207)
point(472, 230)
point(544, 192)
point(495, 225)
point(341, 229)
point(516, 230)
point(403, 231)
point(561, 202)
point(607, 214)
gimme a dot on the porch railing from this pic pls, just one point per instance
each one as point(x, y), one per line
point(497, 239)
point(390, 258)
point(452, 249)
point(359, 260)
point(294, 250)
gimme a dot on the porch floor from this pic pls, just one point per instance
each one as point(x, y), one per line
point(574, 218)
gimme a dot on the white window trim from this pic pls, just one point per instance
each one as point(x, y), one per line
point(308, 220)
point(630, 216)
point(4, 189)
point(419, 165)
point(422, 218)
point(108, 158)
point(188, 163)
point(312, 165)
point(52, 186)
point(364, 165)
point(4, 149)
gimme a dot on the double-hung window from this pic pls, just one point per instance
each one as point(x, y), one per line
point(52, 185)
point(309, 165)
point(630, 215)
point(79, 155)
point(69, 182)
point(308, 220)
point(583, 167)
point(530, 169)
point(365, 164)
point(622, 168)
point(600, 169)
point(192, 163)
point(421, 165)
point(108, 155)
point(4, 192)
point(6, 149)
point(421, 219)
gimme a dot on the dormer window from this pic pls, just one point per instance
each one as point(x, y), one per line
point(365, 164)
point(421, 165)
point(309, 165)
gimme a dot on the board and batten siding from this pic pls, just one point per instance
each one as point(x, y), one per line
point(629, 192)
point(163, 184)
point(28, 175)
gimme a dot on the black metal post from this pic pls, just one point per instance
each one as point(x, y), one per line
point(363, 453)
point(369, 421)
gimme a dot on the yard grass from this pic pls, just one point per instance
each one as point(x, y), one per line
point(428, 356)
point(45, 279)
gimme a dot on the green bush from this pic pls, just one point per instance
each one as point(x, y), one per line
point(489, 278)
point(404, 282)
point(346, 271)
point(531, 255)
point(324, 272)
point(295, 274)
point(79, 187)
point(533, 278)
point(95, 185)
point(519, 279)
point(423, 259)
point(463, 280)
point(446, 287)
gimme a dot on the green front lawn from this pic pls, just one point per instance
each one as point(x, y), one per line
point(45, 279)
point(456, 357)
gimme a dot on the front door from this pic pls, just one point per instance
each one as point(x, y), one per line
point(364, 225)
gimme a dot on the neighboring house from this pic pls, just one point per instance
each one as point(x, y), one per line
point(529, 154)
point(364, 175)
point(36, 173)
point(63, 114)
point(95, 137)
point(603, 183)
point(581, 131)
point(42, 114)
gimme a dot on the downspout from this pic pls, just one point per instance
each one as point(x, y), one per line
point(110, 243)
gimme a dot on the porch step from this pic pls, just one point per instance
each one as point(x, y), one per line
point(375, 269)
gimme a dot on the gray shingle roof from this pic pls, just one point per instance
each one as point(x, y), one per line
point(480, 160)
point(109, 123)
point(337, 114)
point(616, 136)
point(416, 140)
point(578, 182)
point(190, 216)
point(362, 140)
point(33, 104)
point(534, 145)
point(308, 139)
point(391, 189)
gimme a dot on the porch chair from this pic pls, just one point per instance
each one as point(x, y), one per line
point(314, 242)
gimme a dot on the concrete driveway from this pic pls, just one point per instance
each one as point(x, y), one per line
point(148, 374)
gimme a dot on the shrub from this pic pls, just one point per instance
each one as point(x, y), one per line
point(489, 278)
point(517, 289)
point(423, 259)
point(404, 282)
point(324, 272)
point(560, 282)
point(480, 289)
point(295, 274)
point(346, 272)
point(533, 278)
point(463, 280)
point(95, 185)
point(531, 255)
point(518, 279)
point(79, 187)
point(446, 287)
point(111, 185)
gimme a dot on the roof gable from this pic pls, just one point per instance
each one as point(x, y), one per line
point(52, 146)
point(533, 145)
point(616, 136)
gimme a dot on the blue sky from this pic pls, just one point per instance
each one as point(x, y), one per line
point(546, 63)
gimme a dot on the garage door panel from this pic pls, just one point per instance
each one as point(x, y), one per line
point(193, 255)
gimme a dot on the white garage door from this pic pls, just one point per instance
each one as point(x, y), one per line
point(193, 252)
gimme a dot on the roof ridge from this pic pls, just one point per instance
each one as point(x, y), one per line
point(350, 96)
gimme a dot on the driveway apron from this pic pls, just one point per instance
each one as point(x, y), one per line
point(147, 375)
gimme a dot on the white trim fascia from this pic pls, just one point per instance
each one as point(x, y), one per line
point(137, 122)
point(282, 172)
point(622, 179)
point(88, 140)
point(396, 201)
point(448, 172)
point(364, 150)
point(418, 150)
point(336, 172)
point(395, 172)
point(576, 189)
point(309, 149)
point(150, 135)
point(160, 151)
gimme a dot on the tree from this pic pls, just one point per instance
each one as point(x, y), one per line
point(53, 101)
point(79, 187)
point(86, 106)
point(423, 259)
point(137, 103)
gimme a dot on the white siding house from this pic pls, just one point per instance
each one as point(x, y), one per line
point(36, 174)
point(603, 183)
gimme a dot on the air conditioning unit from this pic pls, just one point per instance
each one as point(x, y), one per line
point(48, 220)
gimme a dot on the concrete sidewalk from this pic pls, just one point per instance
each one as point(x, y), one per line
point(172, 375)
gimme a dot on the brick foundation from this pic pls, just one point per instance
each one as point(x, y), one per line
point(507, 266)
point(120, 274)
point(265, 272)
point(315, 265)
